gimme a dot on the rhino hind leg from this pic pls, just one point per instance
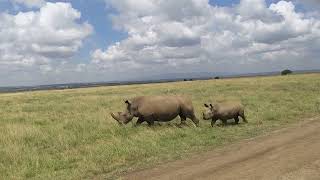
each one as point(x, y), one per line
point(188, 112)
point(194, 119)
point(243, 117)
point(183, 119)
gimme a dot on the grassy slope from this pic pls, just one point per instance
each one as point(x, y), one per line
point(69, 134)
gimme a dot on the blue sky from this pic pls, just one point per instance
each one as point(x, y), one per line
point(125, 39)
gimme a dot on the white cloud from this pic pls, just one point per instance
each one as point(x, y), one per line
point(30, 3)
point(194, 33)
point(35, 38)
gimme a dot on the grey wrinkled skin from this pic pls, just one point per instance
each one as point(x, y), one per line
point(156, 108)
point(223, 112)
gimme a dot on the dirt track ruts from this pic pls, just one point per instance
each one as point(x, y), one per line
point(291, 153)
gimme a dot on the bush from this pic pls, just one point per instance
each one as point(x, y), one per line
point(217, 77)
point(286, 72)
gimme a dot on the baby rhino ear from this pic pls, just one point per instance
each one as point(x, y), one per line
point(127, 102)
point(206, 105)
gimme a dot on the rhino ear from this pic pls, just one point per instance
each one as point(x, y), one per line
point(206, 105)
point(211, 106)
point(127, 102)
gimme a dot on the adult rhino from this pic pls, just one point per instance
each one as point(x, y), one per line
point(157, 108)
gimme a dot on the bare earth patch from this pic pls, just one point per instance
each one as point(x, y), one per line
point(291, 153)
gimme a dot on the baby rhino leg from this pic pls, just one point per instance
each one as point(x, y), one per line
point(213, 122)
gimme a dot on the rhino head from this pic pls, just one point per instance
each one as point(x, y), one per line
point(124, 117)
point(209, 112)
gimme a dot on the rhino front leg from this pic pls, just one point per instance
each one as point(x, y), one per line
point(140, 121)
point(150, 122)
point(213, 122)
point(225, 122)
point(236, 119)
point(150, 119)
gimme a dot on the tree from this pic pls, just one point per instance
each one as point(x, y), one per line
point(286, 72)
point(217, 77)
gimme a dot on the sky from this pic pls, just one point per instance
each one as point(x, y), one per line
point(48, 42)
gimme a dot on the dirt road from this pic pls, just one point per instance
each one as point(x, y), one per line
point(291, 153)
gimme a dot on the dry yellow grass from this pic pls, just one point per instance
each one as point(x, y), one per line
point(68, 134)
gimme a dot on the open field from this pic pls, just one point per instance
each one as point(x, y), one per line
point(65, 134)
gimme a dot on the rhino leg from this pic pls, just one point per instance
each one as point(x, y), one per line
point(195, 120)
point(236, 119)
point(150, 122)
point(140, 121)
point(243, 117)
point(213, 122)
point(188, 112)
point(183, 120)
point(225, 122)
point(241, 114)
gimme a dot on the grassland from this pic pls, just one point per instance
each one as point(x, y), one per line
point(68, 134)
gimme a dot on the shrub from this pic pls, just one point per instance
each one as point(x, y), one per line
point(286, 72)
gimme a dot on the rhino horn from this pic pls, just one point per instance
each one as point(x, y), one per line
point(116, 118)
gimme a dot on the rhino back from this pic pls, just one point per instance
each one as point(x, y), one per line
point(163, 108)
point(229, 109)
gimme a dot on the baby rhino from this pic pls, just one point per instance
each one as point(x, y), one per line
point(223, 112)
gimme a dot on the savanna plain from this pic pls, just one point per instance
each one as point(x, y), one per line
point(69, 134)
